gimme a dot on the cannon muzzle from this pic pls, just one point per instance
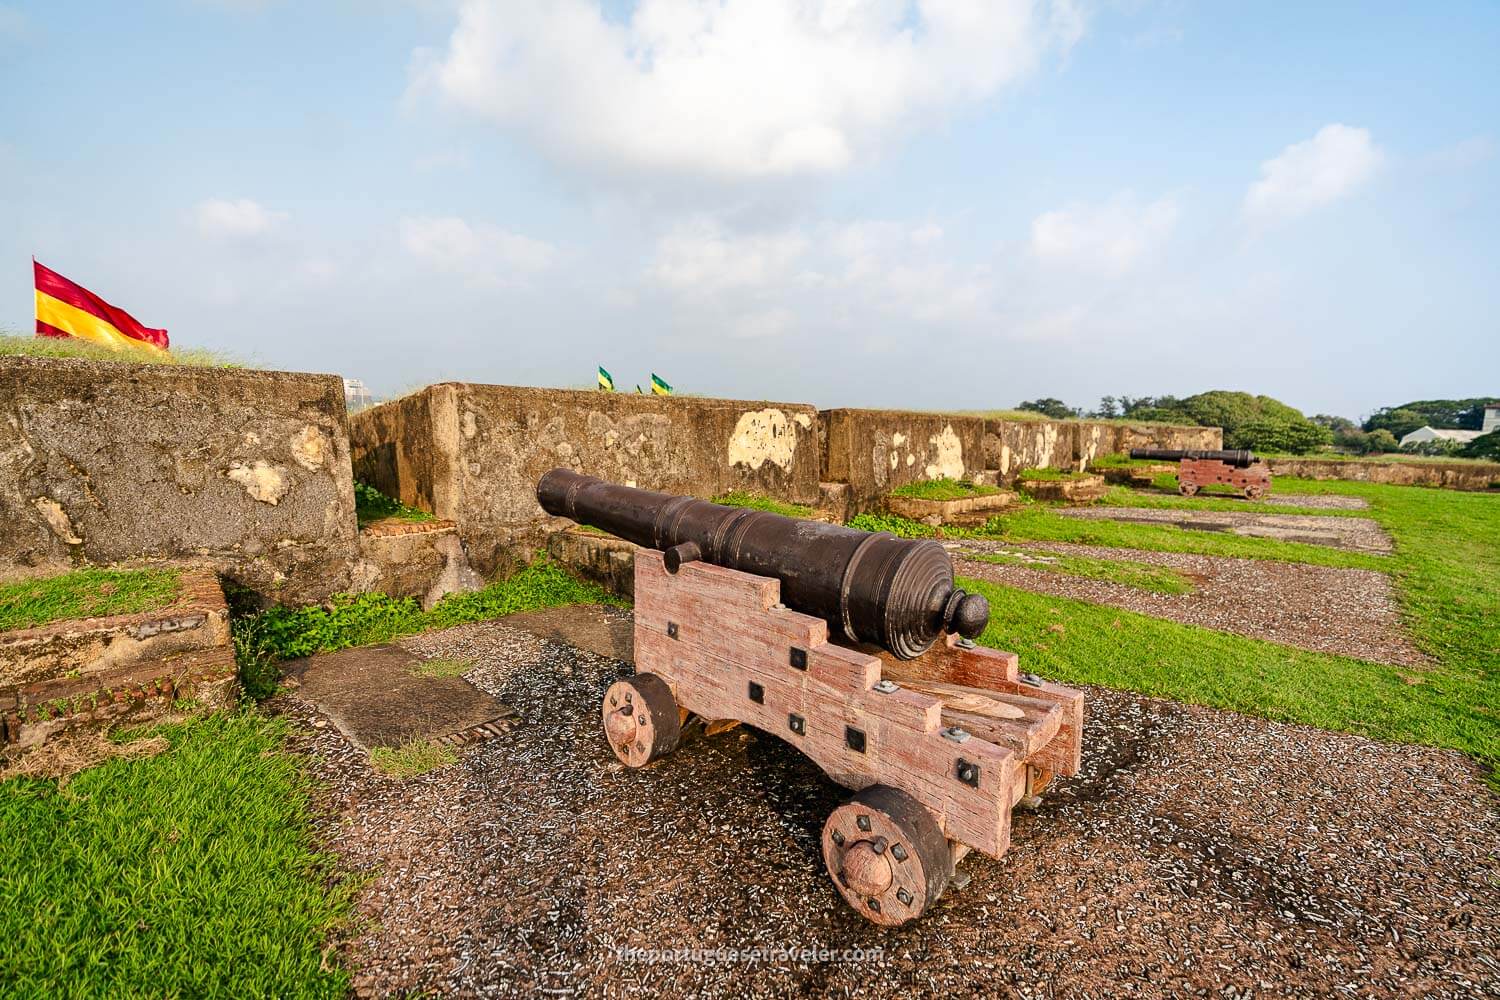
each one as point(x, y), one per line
point(1240, 459)
point(870, 587)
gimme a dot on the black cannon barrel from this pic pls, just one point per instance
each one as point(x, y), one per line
point(871, 587)
point(1240, 459)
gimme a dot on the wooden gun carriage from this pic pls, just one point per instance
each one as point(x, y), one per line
point(1196, 469)
point(938, 745)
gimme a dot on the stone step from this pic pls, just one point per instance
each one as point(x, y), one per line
point(420, 559)
point(197, 620)
point(138, 692)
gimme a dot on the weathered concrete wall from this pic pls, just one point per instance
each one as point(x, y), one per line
point(1013, 445)
point(875, 451)
point(1447, 475)
point(473, 453)
point(247, 471)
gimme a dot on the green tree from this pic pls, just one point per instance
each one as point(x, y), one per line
point(1399, 421)
point(1381, 440)
point(1449, 414)
point(1294, 437)
point(1054, 408)
point(1484, 446)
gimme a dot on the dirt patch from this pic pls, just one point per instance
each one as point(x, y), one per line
point(1199, 853)
point(64, 756)
point(1358, 533)
point(1351, 612)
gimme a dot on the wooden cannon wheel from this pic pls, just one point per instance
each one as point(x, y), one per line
point(1254, 492)
point(641, 721)
point(886, 854)
point(1187, 489)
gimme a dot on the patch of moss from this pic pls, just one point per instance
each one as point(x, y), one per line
point(943, 489)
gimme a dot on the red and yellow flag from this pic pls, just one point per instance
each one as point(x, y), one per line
point(67, 309)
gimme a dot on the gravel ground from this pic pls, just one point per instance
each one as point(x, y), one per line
point(1358, 533)
point(1347, 611)
point(1199, 854)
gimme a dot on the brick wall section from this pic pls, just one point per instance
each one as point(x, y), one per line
point(473, 453)
point(197, 619)
point(245, 470)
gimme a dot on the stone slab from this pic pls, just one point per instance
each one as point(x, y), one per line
point(594, 627)
point(372, 695)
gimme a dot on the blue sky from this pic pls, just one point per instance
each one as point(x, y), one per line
point(950, 203)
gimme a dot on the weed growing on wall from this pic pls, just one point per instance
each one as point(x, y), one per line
point(72, 347)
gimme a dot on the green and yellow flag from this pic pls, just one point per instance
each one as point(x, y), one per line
point(606, 381)
point(659, 386)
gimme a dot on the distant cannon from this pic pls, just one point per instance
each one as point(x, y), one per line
point(1240, 459)
point(750, 618)
point(1198, 468)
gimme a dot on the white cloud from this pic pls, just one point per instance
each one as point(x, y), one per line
point(1310, 174)
point(1112, 237)
point(734, 88)
point(830, 279)
point(235, 219)
point(480, 252)
point(700, 258)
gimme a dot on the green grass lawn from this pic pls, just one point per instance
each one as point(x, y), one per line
point(1120, 496)
point(1050, 476)
point(1445, 571)
point(943, 489)
point(1041, 523)
point(85, 593)
point(1142, 576)
point(1077, 642)
point(188, 874)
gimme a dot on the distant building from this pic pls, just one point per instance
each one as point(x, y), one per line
point(356, 396)
point(1424, 434)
